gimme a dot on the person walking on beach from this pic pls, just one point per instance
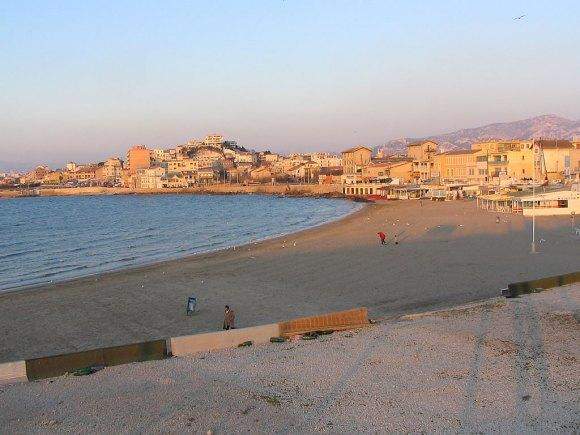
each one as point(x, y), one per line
point(229, 318)
point(382, 236)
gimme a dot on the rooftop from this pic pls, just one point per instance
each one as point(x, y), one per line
point(414, 144)
point(352, 150)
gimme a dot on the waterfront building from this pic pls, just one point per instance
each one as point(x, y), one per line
point(261, 174)
point(112, 170)
point(138, 157)
point(422, 154)
point(561, 158)
point(507, 162)
point(54, 177)
point(401, 170)
point(85, 174)
point(150, 178)
point(330, 175)
point(354, 160)
point(457, 167)
point(366, 188)
point(206, 175)
point(176, 180)
point(387, 168)
point(306, 172)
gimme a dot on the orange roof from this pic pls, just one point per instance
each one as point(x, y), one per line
point(361, 147)
point(554, 144)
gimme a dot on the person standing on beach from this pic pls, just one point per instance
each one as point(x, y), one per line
point(382, 236)
point(229, 318)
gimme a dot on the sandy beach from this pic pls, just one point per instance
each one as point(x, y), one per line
point(502, 365)
point(449, 253)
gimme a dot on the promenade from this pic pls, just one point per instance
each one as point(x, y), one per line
point(449, 253)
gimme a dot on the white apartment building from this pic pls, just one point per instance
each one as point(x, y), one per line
point(151, 178)
point(182, 165)
point(214, 140)
point(244, 157)
point(113, 169)
point(325, 160)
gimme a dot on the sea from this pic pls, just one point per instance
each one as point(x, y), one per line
point(45, 240)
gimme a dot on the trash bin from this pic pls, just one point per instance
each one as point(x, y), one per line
point(191, 305)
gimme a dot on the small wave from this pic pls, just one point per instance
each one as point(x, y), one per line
point(198, 225)
point(17, 254)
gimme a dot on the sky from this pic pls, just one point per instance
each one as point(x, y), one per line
point(85, 80)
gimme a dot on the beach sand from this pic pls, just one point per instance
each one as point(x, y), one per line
point(498, 366)
point(449, 253)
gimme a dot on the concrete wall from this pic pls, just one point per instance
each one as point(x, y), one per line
point(519, 288)
point(57, 365)
point(277, 189)
point(13, 372)
point(190, 344)
point(348, 319)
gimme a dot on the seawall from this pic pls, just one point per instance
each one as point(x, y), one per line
point(327, 190)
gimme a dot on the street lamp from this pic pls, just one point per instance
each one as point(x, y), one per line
point(534, 152)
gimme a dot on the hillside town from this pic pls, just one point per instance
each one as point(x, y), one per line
point(198, 162)
point(489, 169)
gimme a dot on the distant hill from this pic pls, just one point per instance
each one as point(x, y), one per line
point(13, 166)
point(545, 126)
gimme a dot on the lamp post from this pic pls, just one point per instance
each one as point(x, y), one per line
point(534, 151)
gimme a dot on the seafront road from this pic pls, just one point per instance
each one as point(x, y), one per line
point(449, 253)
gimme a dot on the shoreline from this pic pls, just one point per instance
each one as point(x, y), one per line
point(306, 190)
point(448, 254)
point(187, 257)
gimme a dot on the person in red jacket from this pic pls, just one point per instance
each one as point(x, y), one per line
point(382, 236)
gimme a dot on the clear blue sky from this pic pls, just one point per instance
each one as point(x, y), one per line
point(83, 80)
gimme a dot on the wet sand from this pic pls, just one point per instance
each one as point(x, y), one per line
point(449, 253)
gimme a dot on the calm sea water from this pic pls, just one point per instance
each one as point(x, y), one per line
point(52, 239)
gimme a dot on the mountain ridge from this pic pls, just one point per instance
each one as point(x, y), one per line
point(543, 126)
